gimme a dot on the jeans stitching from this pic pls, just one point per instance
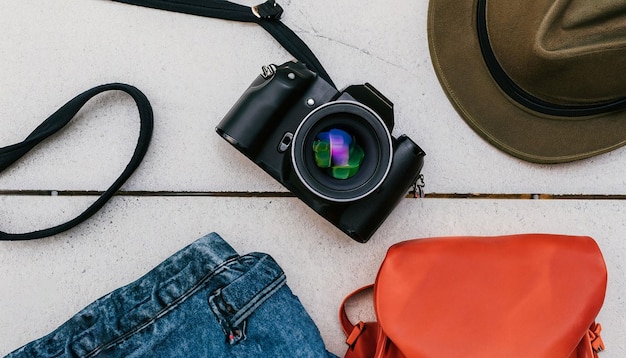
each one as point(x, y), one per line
point(258, 300)
point(220, 268)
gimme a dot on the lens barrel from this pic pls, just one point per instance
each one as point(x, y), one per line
point(367, 129)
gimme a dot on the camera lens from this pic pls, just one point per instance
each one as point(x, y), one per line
point(342, 151)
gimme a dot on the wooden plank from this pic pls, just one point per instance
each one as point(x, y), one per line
point(45, 282)
point(193, 73)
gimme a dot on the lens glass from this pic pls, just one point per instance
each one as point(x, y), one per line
point(342, 151)
point(338, 152)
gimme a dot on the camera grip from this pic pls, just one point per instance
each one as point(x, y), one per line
point(254, 116)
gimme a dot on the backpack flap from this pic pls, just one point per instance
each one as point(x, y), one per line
point(532, 295)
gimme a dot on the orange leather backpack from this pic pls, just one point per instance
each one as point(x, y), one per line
point(532, 295)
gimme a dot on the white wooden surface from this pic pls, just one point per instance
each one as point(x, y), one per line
point(193, 69)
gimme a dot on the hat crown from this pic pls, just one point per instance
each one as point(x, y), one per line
point(563, 51)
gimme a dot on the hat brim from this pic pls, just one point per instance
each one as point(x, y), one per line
point(531, 136)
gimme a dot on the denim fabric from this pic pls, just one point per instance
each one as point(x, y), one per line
point(204, 301)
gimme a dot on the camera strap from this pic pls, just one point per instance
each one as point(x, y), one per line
point(58, 120)
point(267, 15)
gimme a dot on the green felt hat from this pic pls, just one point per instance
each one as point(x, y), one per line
point(543, 80)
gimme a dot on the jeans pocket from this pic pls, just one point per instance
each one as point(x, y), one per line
point(235, 302)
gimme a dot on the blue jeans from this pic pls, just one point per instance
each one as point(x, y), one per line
point(204, 301)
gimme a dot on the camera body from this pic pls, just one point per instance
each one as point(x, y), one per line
point(284, 117)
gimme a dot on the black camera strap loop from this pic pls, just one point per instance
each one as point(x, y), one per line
point(60, 118)
point(267, 15)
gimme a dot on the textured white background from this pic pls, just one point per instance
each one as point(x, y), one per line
point(193, 70)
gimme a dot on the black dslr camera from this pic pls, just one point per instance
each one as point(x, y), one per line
point(334, 150)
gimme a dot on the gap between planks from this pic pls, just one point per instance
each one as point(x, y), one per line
point(246, 194)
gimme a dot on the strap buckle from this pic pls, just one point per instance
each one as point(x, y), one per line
point(356, 332)
point(594, 336)
point(268, 10)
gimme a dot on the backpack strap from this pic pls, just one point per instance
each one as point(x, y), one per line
point(267, 15)
point(347, 326)
point(58, 120)
point(364, 339)
point(595, 340)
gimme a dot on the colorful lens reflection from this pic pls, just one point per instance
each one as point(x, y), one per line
point(338, 151)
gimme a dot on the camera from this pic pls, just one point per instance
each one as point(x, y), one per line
point(332, 149)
